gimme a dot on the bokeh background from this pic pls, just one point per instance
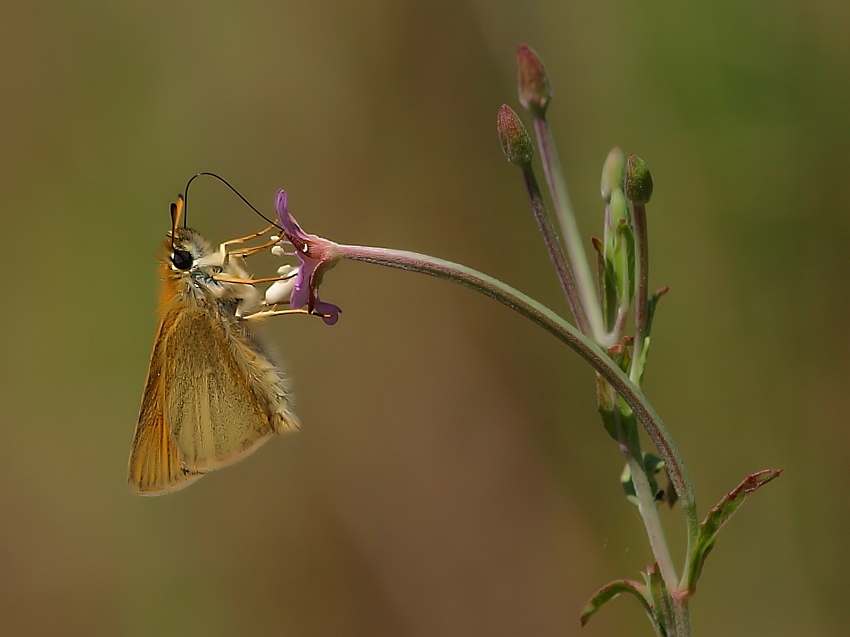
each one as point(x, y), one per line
point(451, 476)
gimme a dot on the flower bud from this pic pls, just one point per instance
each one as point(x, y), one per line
point(532, 81)
point(613, 172)
point(515, 140)
point(618, 209)
point(638, 181)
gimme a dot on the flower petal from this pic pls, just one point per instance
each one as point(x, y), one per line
point(288, 223)
point(306, 284)
point(302, 290)
point(330, 312)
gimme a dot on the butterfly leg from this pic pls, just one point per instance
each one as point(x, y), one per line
point(270, 313)
point(246, 252)
point(249, 237)
point(228, 279)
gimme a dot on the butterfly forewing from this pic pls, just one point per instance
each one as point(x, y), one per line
point(155, 466)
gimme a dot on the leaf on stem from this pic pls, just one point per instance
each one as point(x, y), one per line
point(608, 283)
point(719, 515)
point(617, 417)
point(653, 466)
point(669, 495)
point(608, 406)
point(625, 263)
point(651, 304)
point(601, 281)
point(662, 605)
point(614, 589)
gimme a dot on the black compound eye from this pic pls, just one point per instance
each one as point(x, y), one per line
point(181, 259)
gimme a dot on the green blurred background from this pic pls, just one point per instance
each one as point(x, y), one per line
point(451, 476)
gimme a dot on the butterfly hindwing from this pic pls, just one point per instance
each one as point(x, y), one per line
point(211, 405)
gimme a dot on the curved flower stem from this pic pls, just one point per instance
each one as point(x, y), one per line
point(563, 331)
point(642, 276)
point(556, 253)
point(569, 227)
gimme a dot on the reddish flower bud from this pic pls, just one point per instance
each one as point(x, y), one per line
point(516, 143)
point(532, 81)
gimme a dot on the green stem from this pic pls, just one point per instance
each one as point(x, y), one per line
point(569, 226)
point(553, 245)
point(642, 276)
point(648, 508)
point(682, 615)
point(562, 330)
point(655, 532)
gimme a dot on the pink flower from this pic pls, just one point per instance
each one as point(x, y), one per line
point(317, 256)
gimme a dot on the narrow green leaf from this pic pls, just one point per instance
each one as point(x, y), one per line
point(611, 297)
point(653, 466)
point(630, 262)
point(662, 606)
point(670, 495)
point(719, 515)
point(618, 418)
point(624, 264)
point(628, 485)
point(612, 590)
point(622, 427)
point(652, 304)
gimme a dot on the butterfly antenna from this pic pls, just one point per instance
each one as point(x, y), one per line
point(176, 212)
point(226, 183)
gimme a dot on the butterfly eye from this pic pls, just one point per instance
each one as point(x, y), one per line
point(181, 259)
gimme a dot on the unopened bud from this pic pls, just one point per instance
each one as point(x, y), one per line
point(532, 81)
point(515, 140)
point(638, 181)
point(618, 209)
point(613, 172)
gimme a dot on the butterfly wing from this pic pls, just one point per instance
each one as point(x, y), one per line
point(215, 391)
point(212, 397)
point(155, 464)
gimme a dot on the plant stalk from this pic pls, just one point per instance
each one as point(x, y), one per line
point(563, 331)
point(556, 252)
point(654, 531)
point(642, 276)
point(569, 226)
point(590, 352)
